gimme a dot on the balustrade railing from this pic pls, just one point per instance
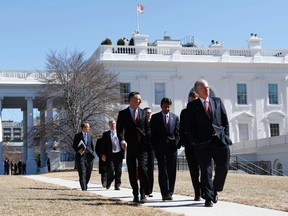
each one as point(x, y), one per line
point(193, 51)
point(31, 75)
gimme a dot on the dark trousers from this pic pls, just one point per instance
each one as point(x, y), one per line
point(103, 172)
point(194, 169)
point(220, 154)
point(139, 160)
point(167, 166)
point(84, 167)
point(114, 169)
point(150, 166)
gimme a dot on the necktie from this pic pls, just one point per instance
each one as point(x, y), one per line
point(85, 138)
point(166, 121)
point(114, 141)
point(135, 115)
point(206, 106)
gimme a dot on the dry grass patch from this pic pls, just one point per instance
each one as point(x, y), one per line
point(23, 196)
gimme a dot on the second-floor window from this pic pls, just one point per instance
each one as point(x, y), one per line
point(273, 93)
point(241, 94)
point(159, 92)
point(124, 92)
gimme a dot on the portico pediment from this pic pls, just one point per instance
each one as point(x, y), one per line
point(244, 115)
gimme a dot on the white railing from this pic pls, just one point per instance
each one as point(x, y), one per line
point(31, 75)
point(186, 51)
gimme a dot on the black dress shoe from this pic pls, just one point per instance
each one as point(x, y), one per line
point(136, 199)
point(215, 197)
point(143, 199)
point(104, 184)
point(208, 203)
point(167, 198)
point(150, 195)
point(197, 198)
point(108, 186)
point(117, 188)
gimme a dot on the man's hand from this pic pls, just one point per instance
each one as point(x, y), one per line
point(103, 157)
point(124, 144)
point(81, 151)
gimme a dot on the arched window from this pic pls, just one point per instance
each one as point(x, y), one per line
point(278, 168)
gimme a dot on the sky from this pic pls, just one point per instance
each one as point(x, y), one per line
point(31, 29)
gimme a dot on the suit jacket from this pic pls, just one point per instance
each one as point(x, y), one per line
point(107, 145)
point(135, 134)
point(182, 130)
point(89, 151)
point(200, 127)
point(161, 137)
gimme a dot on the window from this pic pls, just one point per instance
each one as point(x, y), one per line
point(159, 92)
point(273, 93)
point(241, 94)
point(124, 92)
point(274, 130)
point(243, 132)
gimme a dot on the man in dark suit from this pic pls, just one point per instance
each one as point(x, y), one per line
point(113, 154)
point(164, 138)
point(207, 128)
point(151, 157)
point(101, 163)
point(84, 149)
point(133, 133)
point(190, 150)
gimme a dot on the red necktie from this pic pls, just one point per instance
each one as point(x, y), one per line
point(135, 116)
point(206, 105)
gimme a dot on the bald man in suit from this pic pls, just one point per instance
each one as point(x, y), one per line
point(207, 128)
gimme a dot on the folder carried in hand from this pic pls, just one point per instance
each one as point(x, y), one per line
point(81, 145)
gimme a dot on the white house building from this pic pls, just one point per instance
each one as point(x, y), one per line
point(252, 82)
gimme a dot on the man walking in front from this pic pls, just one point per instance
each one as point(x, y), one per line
point(164, 138)
point(84, 148)
point(207, 129)
point(133, 133)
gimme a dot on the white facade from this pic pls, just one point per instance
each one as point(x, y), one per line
point(252, 82)
point(177, 68)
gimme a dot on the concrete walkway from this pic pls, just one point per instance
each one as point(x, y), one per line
point(180, 204)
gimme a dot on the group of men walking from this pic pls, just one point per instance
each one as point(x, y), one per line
point(202, 129)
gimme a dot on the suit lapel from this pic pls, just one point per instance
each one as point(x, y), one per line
point(201, 109)
point(212, 106)
point(129, 115)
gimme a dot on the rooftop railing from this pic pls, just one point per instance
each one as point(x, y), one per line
point(105, 51)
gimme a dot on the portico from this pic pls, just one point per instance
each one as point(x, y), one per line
point(20, 89)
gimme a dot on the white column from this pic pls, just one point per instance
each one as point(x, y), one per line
point(30, 162)
point(1, 139)
point(24, 158)
point(50, 140)
point(43, 154)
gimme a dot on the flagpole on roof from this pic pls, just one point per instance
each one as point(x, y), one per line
point(137, 18)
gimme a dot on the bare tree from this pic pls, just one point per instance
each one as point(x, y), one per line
point(80, 90)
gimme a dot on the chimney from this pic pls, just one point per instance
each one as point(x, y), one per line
point(254, 42)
